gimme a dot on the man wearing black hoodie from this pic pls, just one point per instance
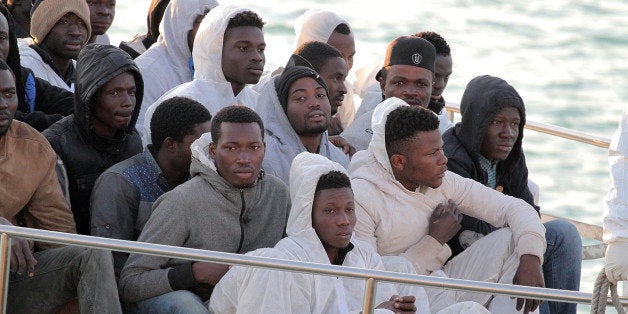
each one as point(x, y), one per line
point(486, 147)
point(101, 132)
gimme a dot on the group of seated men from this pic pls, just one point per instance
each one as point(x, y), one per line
point(227, 160)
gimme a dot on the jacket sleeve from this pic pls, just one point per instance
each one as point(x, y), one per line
point(427, 255)
point(38, 120)
point(146, 276)
point(52, 99)
point(479, 201)
point(114, 205)
point(616, 203)
point(48, 208)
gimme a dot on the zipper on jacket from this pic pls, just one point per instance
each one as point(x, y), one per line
point(241, 221)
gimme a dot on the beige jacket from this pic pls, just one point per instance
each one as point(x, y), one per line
point(30, 193)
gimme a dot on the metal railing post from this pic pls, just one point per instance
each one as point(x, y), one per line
point(5, 260)
point(369, 296)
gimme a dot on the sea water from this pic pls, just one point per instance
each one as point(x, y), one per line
point(567, 59)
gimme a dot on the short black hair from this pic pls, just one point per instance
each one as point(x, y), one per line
point(333, 180)
point(234, 114)
point(342, 28)
point(175, 118)
point(437, 40)
point(246, 18)
point(317, 53)
point(403, 124)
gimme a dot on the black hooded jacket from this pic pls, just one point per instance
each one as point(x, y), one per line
point(85, 154)
point(483, 98)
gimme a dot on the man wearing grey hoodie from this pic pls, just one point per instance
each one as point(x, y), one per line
point(225, 206)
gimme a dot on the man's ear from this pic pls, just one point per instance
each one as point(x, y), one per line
point(169, 144)
point(398, 162)
point(212, 150)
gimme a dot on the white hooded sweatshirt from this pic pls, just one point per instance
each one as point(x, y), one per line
point(209, 87)
point(318, 25)
point(29, 58)
point(396, 220)
point(165, 64)
point(251, 290)
point(282, 142)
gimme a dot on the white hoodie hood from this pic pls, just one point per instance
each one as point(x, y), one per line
point(165, 64)
point(209, 87)
point(316, 25)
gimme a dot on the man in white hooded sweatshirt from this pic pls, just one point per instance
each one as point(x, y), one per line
point(228, 55)
point(167, 63)
point(328, 27)
point(409, 205)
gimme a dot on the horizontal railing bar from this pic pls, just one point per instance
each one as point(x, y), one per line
point(330, 270)
point(554, 130)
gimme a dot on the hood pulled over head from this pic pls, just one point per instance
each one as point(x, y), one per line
point(97, 64)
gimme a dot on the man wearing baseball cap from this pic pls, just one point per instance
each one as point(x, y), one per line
point(407, 74)
point(59, 30)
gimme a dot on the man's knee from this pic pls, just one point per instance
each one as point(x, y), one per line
point(563, 233)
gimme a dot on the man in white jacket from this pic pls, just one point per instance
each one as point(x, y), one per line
point(228, 55)
point(616, 205)
point(328, 27)
point(320, 228)
point(167, 63)
point(409, 205)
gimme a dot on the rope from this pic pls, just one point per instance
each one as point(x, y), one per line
point(600, 295)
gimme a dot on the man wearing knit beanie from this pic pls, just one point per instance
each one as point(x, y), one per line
point(296, 116)
point(59, 30)
point(407, 74)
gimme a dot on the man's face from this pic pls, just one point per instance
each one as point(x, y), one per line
point(345, 44)
point(8, 100)
point(101, 14)
point(243, 55)
point(239, 153)
point(194, 30)
point(4, 38)
point(501, 134)
point(66, 39)
point(113, 105)
point(422, 161)
point(333, 217)
point(308, 111)
point(183, 154)
point(408, 83)
point(334, 72)
point(442, 70)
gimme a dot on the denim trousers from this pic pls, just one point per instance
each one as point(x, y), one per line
point(62, 274)
point(176, 302)
point(562, 263)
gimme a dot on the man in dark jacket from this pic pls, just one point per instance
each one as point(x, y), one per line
point(101, 132)
point(486, 147)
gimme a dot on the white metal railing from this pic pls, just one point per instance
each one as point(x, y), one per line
point(371, 276)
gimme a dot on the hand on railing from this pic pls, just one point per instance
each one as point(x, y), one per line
point(398, 304)
point(22, 259)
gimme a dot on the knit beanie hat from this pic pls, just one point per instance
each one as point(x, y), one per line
point(46, 13)
point(409, 50)
point(290, 75)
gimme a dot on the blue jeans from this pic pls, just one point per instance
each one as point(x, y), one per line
point(176, 302)
point(563, 260)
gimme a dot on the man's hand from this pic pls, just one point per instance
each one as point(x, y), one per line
point(399, 304)
point(208, 273)
point(335, 126)
point(445, 222)
point(528, 274)
point(22, 259)
point(616, 266)
point(341, 143)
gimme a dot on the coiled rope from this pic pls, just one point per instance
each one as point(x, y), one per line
point(600, 295)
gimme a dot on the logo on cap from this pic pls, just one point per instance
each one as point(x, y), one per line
point(416, 58)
